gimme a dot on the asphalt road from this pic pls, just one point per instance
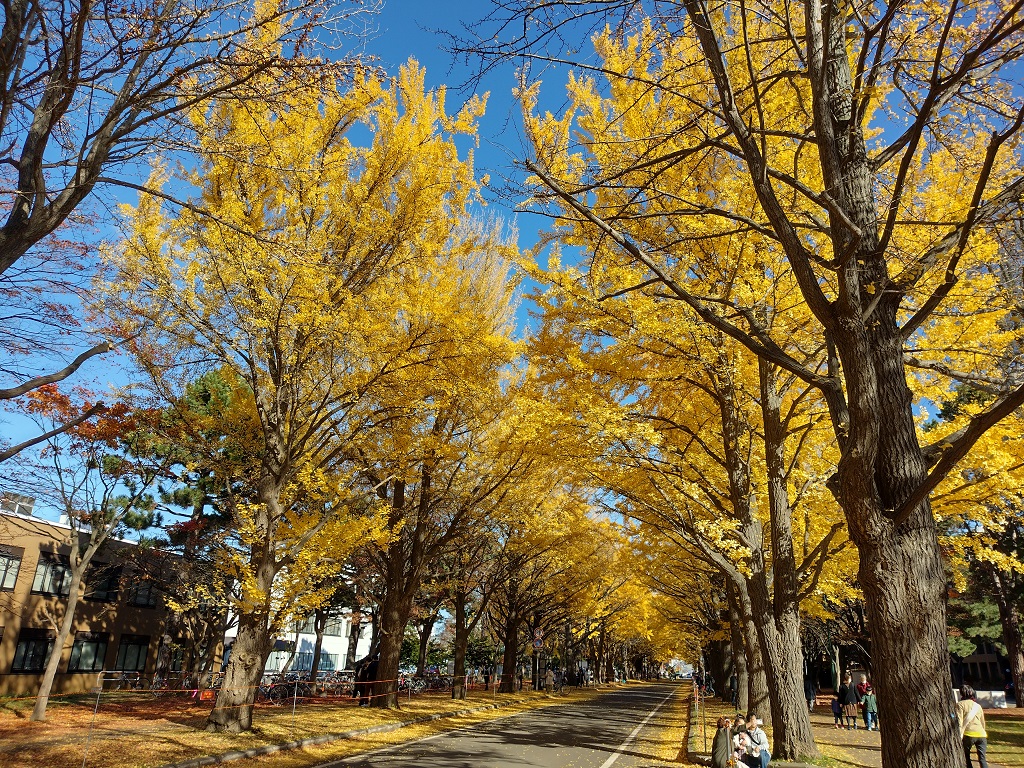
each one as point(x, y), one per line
point(612, 729)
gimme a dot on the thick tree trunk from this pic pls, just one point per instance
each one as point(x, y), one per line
point(425, 630)
point(1010, 621)
point(66, 623)
point(320, 625)
point(904, 589)
point(392, 616)
point(233, 710)
point(461, 642)
point(758, 700)
point(354, 630)
point(739, 656)
point(508, 659)
point(780, 631)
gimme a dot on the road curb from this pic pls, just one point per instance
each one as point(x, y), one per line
point(694, 755)
point(326, 738)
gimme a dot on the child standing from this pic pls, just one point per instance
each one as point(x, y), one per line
point(870, 704)
point(837, 711)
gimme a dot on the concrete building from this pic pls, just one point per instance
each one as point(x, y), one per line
point(333, 652)
point(118, 623)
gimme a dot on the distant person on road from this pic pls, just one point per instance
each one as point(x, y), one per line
point(734, 689)
point(848, 698)
point(721, 747)
point(972, 726)
point(549, 681)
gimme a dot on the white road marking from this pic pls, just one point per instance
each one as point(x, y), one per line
point(618, 752)
point(391, 747)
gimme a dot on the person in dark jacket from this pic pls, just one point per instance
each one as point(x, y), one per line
point(810, 691)
point(849, 699)
point(721, 747)
point(371, 675)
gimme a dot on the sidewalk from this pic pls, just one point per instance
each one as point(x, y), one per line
point(859, 748)
point(862, 749)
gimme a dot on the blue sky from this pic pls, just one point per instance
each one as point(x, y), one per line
point(402, 30)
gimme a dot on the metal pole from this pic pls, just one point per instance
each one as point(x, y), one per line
point(88, 739)
point(704, 719)
point(295, 696)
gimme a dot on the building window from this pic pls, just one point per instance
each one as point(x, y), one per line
point(53, 575)
point(89, 652)
point(17, 504)
point(10, 564)
point(131, 653)
point(102, 582)
point(143, 594)
point(335, 626)
point(34, 646)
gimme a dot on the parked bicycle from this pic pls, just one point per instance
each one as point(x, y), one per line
point(128, 681)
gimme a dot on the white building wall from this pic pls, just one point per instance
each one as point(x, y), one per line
point(334, 650)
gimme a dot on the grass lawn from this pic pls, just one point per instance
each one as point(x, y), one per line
point(1005, 737)
point(136, 730)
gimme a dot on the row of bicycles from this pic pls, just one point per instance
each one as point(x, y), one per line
point(275, 688)
point(421, 684)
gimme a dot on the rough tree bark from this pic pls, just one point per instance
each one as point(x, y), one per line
point(320, 616)
point(792, 736)
point(249, 652)
point(425, 630)
point(739, 655)
point(511, 654)
point(461, 642)
point(354, 630)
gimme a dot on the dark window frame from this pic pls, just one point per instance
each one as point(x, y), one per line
point(132, 641)
point(143, 594)
point(51, 561)
point(28, 646)
point(94, 580)
point(11, 559)
point(101, 639)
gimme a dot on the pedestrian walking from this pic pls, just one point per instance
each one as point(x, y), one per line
point(837, 711)
point(848, 698)
point(549, 681)
point(721, 746)
point(972, 726)
point(369, 678)
point(810, 691)
point(870, 705)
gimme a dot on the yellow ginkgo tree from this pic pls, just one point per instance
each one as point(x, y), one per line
point(318, 222)
point(875, 150)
